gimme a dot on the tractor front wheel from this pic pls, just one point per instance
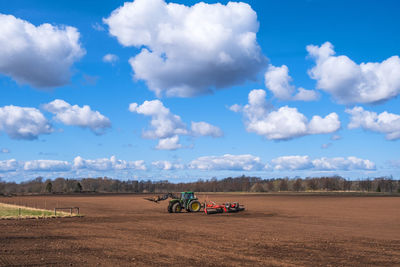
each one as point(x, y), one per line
point(194, 206)
point(170, 207)
point(176, 208)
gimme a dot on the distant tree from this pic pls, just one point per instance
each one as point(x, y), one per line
point(378, 189)
point(49, 187)
point(257, 187)
point(312, 183)
point(283, 185)
point(2, 186)
point(78, 187)
point(297, 185)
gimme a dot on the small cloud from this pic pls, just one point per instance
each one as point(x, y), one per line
point(169, 143)
point(235, 108)
point(325, 146)
point(5, 151)
point(394, 163)
point(278, 81)
point(98, 27)
point(167, 165)
point(168, 127)
point(48, 153)
point(75, 115)
point(245, 162)
point(286, 122)
point(205, 129)
point(90, 80)
point(110, 58)
point(336, 137)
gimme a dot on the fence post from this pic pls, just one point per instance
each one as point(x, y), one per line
point(19, 211)
point(55, 211)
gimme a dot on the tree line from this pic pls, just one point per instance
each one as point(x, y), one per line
point(238, 184)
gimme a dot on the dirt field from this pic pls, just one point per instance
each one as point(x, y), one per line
point(275, 230)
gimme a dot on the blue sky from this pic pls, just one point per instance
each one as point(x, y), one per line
point(231, 89)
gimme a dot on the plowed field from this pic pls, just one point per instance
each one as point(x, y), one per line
point(275, 230)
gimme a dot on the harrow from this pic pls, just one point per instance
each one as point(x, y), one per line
point(213, 208)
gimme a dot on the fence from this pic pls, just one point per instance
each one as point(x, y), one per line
point(67, 208)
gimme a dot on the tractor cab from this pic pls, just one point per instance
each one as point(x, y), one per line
point(186, 196)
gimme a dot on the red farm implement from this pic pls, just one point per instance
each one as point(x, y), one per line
point(213, 208)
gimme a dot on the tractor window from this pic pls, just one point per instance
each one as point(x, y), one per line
point(187, 195)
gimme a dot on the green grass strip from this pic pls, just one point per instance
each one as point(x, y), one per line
point(8, 211)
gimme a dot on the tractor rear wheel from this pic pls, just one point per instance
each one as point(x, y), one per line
point(194, 206)
point(176, 207)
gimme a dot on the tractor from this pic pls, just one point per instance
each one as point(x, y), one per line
point(186, 201)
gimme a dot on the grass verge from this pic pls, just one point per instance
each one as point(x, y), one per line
point(8, 211)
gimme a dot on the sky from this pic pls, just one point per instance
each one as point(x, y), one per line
point(189, 90)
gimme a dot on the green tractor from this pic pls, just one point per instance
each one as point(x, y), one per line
point(187, 201)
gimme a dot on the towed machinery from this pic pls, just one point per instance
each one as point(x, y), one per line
point(189, 202)
point(212, 207)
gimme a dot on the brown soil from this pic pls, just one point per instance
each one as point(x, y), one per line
point(275, 230)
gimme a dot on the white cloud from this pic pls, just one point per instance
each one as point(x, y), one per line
point(227, 162)
point(324, 164)
point(339, 163)
point(78, 116)
point(98, 27)
point(205, 129)
point(386, 123)
point(164, 124)
point(284, 123)
point(167, 126)
point(110, 58)
point(196, 49)
point(349, 82)
point(5, 150)
point(326, 146)
point(235, 108)
point(319, 125)
point(39, 56)
point(167, 165)
point(292, 163)
point(8, 165)
point(107, 164)
point(47, 165)
point(277, 80)
point(394, 163)
point(23, 122)
point(169, 143)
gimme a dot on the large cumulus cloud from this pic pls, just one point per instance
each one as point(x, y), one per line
point(75, 115)
point(167, 127)
point(284, 123)
point(385, 122)
point(349, 82)
point(195, 49)
point(40, 56)
point(278, 81)
point(23, 122)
